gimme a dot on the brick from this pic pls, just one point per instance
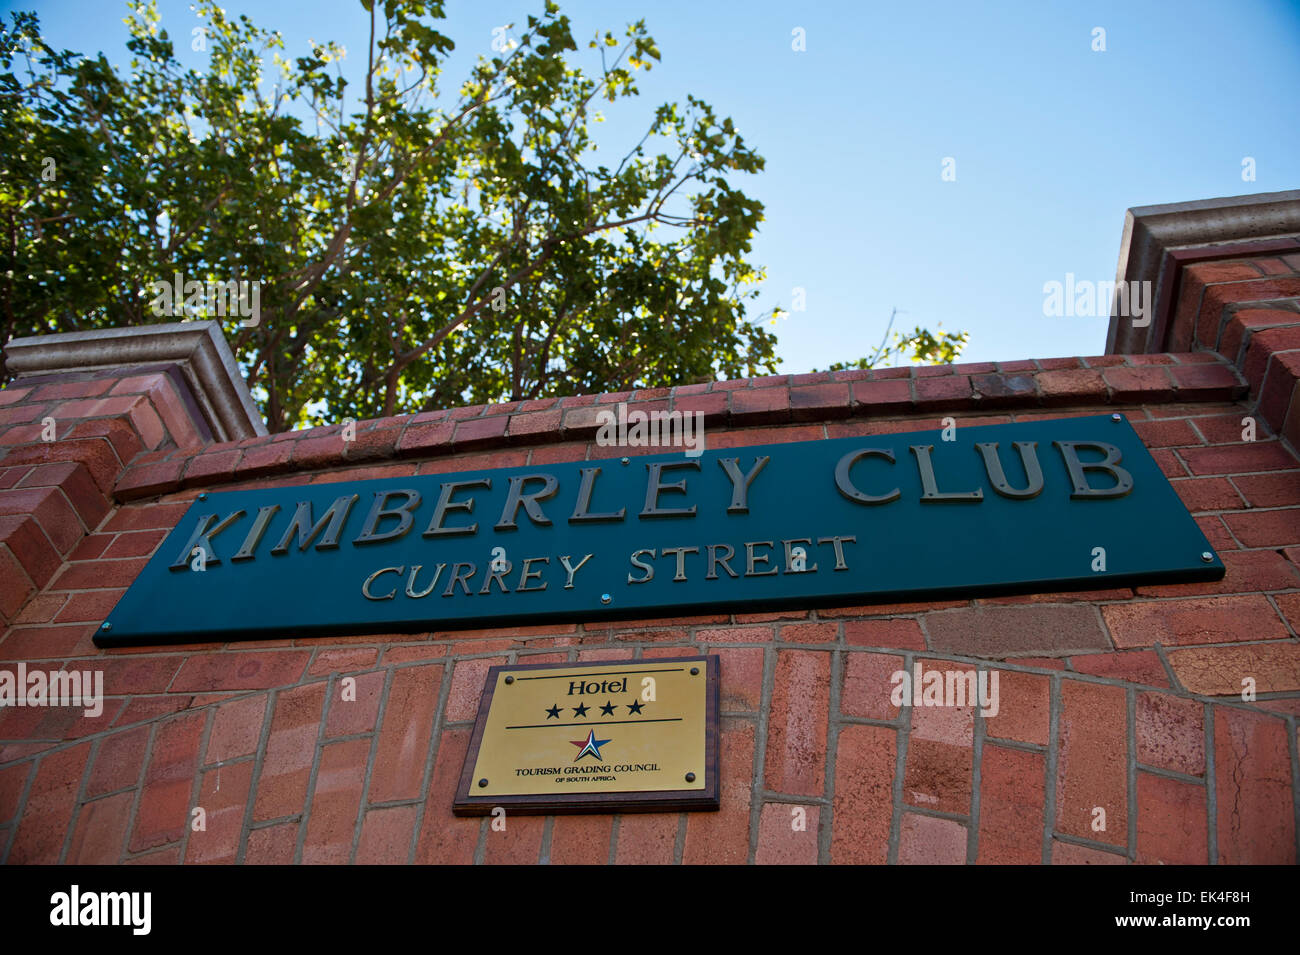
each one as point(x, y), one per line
point(1171, 733)
point(1277, 528)
point(1238, 459)
point(520, 843)
point(50, 509)
point(741, 686)
point(937, 394)
point(13, 780)
point(467, 682)
point(646, 839)
point(1252, 771)
point(1092, 762)
point(722, 838)
point(1216, 532)
point(926, 840)
point(1208, 494)
point(896, 633)
point(1195, 621)
point(1219, 671)
point(714, 407)
point(446, 839)
point(136, 674)
point(101, 831)
point(1166, 433)
point(938, 775)
point(146, 480)
point(134, 544)
point(211, 466)
point(868, 685)
point(1005, 391)
point(335, 802)
point(880, 397)
point(810, 633)
point(386, 836)
point(1013, 800)
point(736, 635)
point(1269, 490)
point(46, 643)
point(273, 845)
point(223, 794)
point(1024, 708)
point(142, 517)
point(258, 670)
point(78, 486)
point(236, 729)
point(29, 546)
point(1246, 571)
point(581, 840)
point(779, 842)
point(164, 810)
point(1134, 666)
point(760, 406)
point(44, 824)
point(265, 457)
point(1138, 385)
point(1205, 382)
point(1079, 386)
point(1006, 631)
point(286, 766)
point(1246, 321)
point(354, 707)
point(797, 723)
point(403, 747)
point(820, 402)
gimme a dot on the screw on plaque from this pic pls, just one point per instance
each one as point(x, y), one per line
point(1117, 417)
point(105, 626)
point(509, 680)
point(690, 777)
point(625, 460)
point(203, 496)
point(695, 671)
point(605, 598)
point(482, 784)
point(1207, 556)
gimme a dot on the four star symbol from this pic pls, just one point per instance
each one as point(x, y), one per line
point(607, 709)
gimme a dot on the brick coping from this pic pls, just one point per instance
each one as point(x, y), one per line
point(773, 400)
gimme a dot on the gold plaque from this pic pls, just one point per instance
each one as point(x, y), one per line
point(609, 736)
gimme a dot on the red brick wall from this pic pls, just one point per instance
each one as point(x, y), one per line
point(1123, 699)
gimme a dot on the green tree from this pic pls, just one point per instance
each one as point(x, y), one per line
point(415, 248)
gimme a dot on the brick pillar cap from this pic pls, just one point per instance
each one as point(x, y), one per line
point(198, 349)
point(1158, 239)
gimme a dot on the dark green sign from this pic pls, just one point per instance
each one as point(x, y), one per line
point(1039, 506)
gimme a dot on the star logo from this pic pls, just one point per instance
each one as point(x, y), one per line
point(607, 709)
point(580, 709)
point(589, 746)
point(634, 707)
point(553, 712)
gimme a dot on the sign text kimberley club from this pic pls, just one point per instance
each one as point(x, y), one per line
point(1034, 506)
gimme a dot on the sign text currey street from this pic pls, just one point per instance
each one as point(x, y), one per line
point(1040, 506)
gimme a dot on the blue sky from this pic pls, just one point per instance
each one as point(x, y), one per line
point(1052, 141)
